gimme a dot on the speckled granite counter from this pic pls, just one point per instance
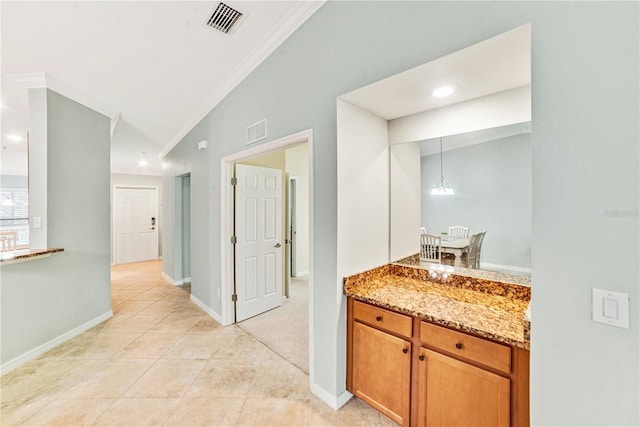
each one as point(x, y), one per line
point(20, 255)
point(414, 261)
point(487, 308)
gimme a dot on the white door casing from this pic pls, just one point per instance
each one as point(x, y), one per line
point(136, 224)
point(259, 245)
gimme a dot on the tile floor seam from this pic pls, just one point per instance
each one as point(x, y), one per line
point(244, 402)
point(269, 347)
point(104, 412)
point(274, 390)
point(124, 392)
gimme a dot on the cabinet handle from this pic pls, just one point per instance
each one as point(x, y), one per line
point(379, 318)
point(459, 346)
point(405, 350)
point(421, 357)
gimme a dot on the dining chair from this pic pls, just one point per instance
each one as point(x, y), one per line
point(423, 230)
point(8, 241)
point(459, 231)
point(430, 248)
point(475, 247)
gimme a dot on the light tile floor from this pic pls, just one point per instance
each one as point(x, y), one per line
point(161, 361)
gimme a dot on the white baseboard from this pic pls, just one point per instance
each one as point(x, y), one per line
point(490, 266)
point(169, 278)
point(32, 354)
point(343, 399)
point(336, 402)
point(215, 316)
point(302, 273)
point(182, 282)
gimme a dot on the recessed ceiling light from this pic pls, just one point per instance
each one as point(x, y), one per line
point(143, 160)
point(15, 138)
point(442, 91)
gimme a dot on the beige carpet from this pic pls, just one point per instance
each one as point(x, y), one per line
point(285, 329)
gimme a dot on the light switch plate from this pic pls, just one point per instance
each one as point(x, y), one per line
point(610, 308)
point(37, 222)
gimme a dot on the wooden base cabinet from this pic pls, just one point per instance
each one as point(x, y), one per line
point(382, 371)
point(424, 375)
point(454, 393)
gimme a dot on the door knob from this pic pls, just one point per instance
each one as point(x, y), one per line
point(277, 245)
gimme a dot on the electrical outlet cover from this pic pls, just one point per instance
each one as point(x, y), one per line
point(610, 308)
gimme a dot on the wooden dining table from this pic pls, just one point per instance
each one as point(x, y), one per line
point(456, 246)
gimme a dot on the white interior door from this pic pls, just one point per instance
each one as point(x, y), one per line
point(136, 224)
point(258, 240)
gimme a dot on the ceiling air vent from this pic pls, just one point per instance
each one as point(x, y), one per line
point(224, 18)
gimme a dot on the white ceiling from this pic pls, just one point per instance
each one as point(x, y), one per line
point(155, 63)
point(495, 65)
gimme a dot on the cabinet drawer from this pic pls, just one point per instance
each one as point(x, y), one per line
point(383, 319)
point(476, 349)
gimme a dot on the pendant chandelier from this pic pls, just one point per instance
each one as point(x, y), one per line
point(441, 187)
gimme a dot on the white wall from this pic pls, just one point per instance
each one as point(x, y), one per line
point(405, 185)
point(119, 179)
point(363, 190)
point(500, 109)
point(38, 167)
point(297, 164)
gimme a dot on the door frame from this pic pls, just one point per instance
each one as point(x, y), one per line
point(292, 270)
point(227, 222)
point(114, 219)
point(178, 232)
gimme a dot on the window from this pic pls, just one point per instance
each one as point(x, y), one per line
point(14, 213)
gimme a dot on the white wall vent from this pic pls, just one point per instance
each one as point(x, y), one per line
point(225, 19)
point(257, 131)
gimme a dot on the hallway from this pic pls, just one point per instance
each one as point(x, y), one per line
point(161, 361)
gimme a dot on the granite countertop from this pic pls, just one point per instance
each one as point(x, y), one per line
point(482, 307)
point(26, 254)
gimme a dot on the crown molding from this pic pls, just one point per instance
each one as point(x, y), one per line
point(114, 123)
point(289, 24)
point(146, 172)
point(30, 80)
point(42, 80)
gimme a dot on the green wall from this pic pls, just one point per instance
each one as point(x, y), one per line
point(585, 166)
point(492, 182)
point(45, 299)
point(14, 181)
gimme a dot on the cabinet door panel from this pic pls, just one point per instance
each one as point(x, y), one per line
point(454, 393)
point(381, 371)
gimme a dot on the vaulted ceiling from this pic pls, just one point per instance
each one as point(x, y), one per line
point(154, 67)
